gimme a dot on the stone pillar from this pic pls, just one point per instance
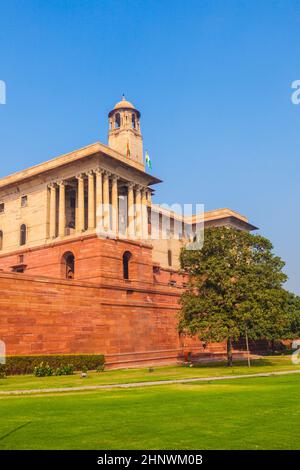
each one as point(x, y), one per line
point(80, 204)
point(149, 196)
point(138, 212)
point(91, 201)
point(106, 211)
point(62, 210)
point(52, 215)
point(130, 211)
point(115, 205)
point(144, 214)
point(99, 199)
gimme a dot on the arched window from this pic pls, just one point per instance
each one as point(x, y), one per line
point(126, 258)
point(68, 264)
point(117, 120)
point(23, 234)
point(133, 120)
point(1, 239)
point(170, 257)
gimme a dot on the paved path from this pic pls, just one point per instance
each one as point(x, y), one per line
point(144, 384)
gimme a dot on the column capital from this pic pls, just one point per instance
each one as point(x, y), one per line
point(52, 184)
point(90, 173)
point(106, 173)
point(61, 183)
point(99, 171)
point(130, 184)
point(115, 177)
point(138, 187)
point(80, 176)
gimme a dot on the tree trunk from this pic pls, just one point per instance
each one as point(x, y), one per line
point(229, 352)
point(273, 346)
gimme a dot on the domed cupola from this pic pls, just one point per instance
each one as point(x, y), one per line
point(124, 130)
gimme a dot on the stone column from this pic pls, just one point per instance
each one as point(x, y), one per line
point(91, 201)
point(149, 196)
point(52, 215)
point(106, 212)
point(62, 210)
point(80, 204)
point(115, 205)
point(130, 211)
point(138, 212)
point(144, 214)
point(99, 199)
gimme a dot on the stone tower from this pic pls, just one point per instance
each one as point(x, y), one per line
point(124, 131)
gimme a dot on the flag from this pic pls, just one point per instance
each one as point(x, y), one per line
point(148, 161)
point(128, 150)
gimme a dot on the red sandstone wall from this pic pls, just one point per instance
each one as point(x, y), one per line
point(42, 315)
point(96, 259)
point(131, 322)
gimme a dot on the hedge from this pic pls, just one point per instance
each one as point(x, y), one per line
point(25, 364)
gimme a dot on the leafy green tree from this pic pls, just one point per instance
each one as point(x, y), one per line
point(235, 288)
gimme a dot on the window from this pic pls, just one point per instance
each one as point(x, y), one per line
point(23, 201)
point(169, 257)
point(2, 206)
point(117, 121)
point(18, 269)
point(1, 239)
point(133, 120)
point(23, 231)
point(68, 263)
point(126, 258)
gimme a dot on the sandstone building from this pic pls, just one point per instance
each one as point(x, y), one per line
point(88, 263)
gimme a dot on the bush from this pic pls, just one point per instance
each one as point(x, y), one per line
point(2, 371)
point(43, 370)
point(26, 364)
point(100, 368)
point(65, 370)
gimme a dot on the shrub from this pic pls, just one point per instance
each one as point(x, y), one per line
point(100, 368)
point(43, 370)
point(2, 371)
point(26, 364)
point(65, 370)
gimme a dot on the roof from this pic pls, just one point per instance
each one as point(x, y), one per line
point(124, 104)
point(66, 159)
point(224, 215)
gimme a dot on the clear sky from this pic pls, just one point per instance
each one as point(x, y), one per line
point(211, 78)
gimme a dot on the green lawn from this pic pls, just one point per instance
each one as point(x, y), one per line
point(267, 364)
point(260, 413)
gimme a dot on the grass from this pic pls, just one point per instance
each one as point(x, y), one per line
point(267, 364)
point(260, 413)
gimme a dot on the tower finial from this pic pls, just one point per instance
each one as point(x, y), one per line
point(123, 97)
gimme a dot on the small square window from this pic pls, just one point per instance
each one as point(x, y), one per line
point(2, 207)
point(23, 201)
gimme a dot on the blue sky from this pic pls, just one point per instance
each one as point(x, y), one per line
point(211, 78)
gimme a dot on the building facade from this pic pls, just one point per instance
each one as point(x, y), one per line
point(95, 259)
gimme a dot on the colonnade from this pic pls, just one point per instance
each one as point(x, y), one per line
point(101, 188)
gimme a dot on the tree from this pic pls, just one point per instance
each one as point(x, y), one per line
point(235, 288)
